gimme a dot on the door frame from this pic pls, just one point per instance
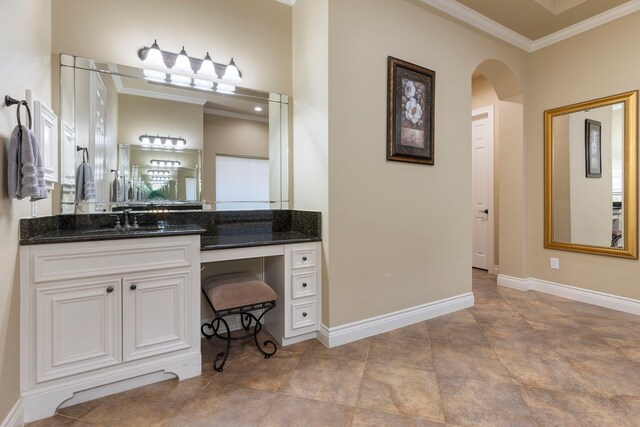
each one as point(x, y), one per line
point(477, 114)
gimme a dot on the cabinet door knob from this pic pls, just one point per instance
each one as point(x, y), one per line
point(304, 258)
point(133, 287)
point(304, 285)
point(304, 314)
point(110, 289)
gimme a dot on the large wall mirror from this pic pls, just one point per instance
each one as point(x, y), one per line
point(155, 145)
point(591, 176)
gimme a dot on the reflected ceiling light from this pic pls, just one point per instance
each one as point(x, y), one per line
point(225, 88)
point(154, 172)
point(258, 109)
point(181, 69)
point(166, 141)
point(172, 163)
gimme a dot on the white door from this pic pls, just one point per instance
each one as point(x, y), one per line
point(77, 328)
point(481, 135)
point(154, 308)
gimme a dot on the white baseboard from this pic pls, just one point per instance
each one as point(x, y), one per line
point(602, 299)
point(15, 417)
point(343, 334)
point(513, 282)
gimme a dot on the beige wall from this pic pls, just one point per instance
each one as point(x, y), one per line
point(139, 115)
point(25, 63)
point(257, 33)
point(563, 74)
point(400, 234)
point(232, 137)
point(310, 120)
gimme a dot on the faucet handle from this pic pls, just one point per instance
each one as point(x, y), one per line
point(135, 221)
point(117, 226)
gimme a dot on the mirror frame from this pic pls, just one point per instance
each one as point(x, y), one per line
point(630, 176)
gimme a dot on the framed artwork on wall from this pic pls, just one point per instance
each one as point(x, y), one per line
point(410, 112)
point(593, 145)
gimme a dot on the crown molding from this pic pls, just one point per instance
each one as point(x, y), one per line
point(288, 2)
point(222, 113)
point(481, 22)
point(586, 25)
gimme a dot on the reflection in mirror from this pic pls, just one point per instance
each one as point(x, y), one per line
point(154, 144)
point(590, 191)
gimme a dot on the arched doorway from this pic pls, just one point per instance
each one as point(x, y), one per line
point(498, 147)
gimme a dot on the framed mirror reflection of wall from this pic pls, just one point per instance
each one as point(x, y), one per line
point(591, 176)
point(154, 145)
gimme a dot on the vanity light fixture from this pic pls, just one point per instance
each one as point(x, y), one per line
point(167, 141)
point(184, 70)
point(172, 163)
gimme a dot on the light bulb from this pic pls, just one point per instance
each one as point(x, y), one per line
point(157, 140)
point(154, 57)
point(182, 66)
point(145, 140)
point(232, 74)
point(207, 69)
point(257, 109)
point(203, 84)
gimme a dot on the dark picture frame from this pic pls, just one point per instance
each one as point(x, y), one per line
point(593, 148)
point(410, 112)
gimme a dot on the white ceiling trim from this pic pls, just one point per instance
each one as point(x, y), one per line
point(215, 112)
point(586, 25)
point(481, 22)
point(289, 2)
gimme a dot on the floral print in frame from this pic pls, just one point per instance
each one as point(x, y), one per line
point(410, 115)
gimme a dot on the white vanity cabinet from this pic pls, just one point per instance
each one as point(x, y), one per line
point(95, 313)
point(297, 283)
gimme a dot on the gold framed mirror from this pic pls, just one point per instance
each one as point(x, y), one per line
point(590, 189)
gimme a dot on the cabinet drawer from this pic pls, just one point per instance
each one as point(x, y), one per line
point(76, 260)
point(302, 258)
point(304, 284)
point(304, 314)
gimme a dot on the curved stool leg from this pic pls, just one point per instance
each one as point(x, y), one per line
point(266, 343)
point(223, 355)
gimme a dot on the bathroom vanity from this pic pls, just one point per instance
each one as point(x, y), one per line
point(101, 305)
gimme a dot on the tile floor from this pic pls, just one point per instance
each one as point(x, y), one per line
point(515, 359)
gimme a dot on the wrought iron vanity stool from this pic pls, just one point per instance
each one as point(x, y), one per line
point(237, 294)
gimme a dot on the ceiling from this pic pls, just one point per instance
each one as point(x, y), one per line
point(535, 19)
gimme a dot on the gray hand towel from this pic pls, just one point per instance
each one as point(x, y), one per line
point(85, 186)
point(25, 172)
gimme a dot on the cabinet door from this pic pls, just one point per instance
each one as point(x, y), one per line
point(77, 327)
point(155, 314)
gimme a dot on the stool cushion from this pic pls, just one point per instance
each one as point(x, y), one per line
point(236, 290)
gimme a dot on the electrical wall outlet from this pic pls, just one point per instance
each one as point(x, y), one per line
point(555, 263)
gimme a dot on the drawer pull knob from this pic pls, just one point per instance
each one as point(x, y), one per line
point(304, 285)
point(304, 258)
point(304, 314)
point(133, 287)
point(110, 289)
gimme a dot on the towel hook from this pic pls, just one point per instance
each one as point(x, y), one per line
point(84, 154)
point(9, 101)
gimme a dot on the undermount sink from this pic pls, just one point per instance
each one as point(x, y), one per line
point(141, 229)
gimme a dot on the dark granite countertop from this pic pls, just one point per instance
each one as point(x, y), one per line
point(209, 243)
point(92, 234)
point(219, 230)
